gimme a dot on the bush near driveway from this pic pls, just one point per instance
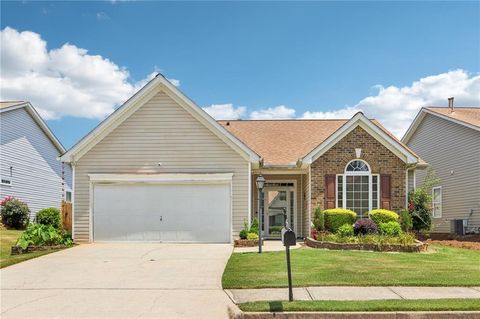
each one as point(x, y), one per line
point(15, 213)
point(43, 235)
point(8, 238)
point(49, 216)
point(336, 217)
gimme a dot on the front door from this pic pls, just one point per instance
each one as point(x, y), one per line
point(279, 203)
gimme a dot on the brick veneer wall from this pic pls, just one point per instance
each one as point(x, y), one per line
point(380, 159)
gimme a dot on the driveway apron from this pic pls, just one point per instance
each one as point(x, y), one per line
point(128, 280)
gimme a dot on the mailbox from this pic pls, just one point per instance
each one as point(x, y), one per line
point(288, 237)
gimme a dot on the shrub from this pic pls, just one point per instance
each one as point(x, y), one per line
point(406, 220)
point(345, 230)
point(49, 216)
point(319, 219)
point(40, 235)
point(365, 226)
point(243, 234)
point(252, 236)
point(383, 216)
point(254, 226)
point(15, 213)
point(420, 210)
point(392, 229)
point(336, 217)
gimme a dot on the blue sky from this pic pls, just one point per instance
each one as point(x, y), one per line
point(251, 58)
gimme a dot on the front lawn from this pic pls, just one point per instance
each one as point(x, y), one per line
point(447, 266)
point(369, 305)
point(8, 238)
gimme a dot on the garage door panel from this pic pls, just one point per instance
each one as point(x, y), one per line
point(162, 212)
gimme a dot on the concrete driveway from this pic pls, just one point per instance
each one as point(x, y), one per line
point(119, 281)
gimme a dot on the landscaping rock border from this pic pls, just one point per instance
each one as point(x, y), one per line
point(416, 248)
point(17, 250)
point(246, 242)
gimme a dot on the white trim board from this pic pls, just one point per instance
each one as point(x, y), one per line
point(421, 115)
point(162, 178)
point(40, 122)
point(361, 120)
point(157, 84)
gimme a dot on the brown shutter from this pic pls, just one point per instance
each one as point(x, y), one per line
point(385, 192)
point(330, 191)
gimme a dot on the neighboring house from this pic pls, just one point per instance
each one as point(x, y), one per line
point(448, 138)
point(161, 169)
point(29, 166)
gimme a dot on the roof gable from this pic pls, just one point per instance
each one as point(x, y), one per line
point(377, 131)
point(159, 83)
point(466, 116)
point(15, 105)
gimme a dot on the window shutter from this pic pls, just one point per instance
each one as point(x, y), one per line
point(385, 192)
point(330, 191)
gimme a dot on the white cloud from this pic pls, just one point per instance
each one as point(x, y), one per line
point(344, 113)
point(225, 111)
point(65, 81)
point(277, 112)
point(396, 107)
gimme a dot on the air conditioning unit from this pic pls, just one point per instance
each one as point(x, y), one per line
point(458, 226)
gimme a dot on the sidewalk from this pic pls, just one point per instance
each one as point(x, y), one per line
point(352, 293)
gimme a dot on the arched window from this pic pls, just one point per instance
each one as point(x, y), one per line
point(357, 166)
point(357, 188)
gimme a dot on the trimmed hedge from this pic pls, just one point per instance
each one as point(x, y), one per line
point(383, 216)
point(336, 217)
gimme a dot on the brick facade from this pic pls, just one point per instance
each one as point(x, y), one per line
point(380, 159)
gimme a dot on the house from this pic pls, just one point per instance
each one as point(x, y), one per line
point(161, 169)
point(448, 138)
point(29, 168)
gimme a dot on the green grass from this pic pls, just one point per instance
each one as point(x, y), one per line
point(447, 266)
point(368, 305)
point(8, 238)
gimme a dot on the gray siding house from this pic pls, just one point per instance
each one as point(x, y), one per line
point(29, 166)
point(448, 138)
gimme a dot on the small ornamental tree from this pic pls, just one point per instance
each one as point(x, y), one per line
point(419, 207)
point(14, 213)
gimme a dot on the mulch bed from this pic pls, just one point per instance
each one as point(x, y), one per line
point(246, 242)
point(415, 248)
point(457, 243)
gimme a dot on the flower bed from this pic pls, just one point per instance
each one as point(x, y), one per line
point(246, 242)
point(417, 246)
point(17, 250)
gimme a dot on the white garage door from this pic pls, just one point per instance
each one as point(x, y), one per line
point(162, 212)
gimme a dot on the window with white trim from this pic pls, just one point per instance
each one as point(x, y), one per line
point(437, 202)
point(358, 188)
point(68, 196)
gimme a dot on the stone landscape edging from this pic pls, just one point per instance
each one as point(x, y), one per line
point(417, 247)
point(17, 250)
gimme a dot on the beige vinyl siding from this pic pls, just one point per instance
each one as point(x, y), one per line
point(306, 204)
point(453, 151)
point(297, 178)
point(160, 131)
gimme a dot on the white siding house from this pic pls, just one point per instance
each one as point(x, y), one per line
point(29, 168)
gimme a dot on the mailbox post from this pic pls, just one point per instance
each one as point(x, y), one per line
point(289, 239)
